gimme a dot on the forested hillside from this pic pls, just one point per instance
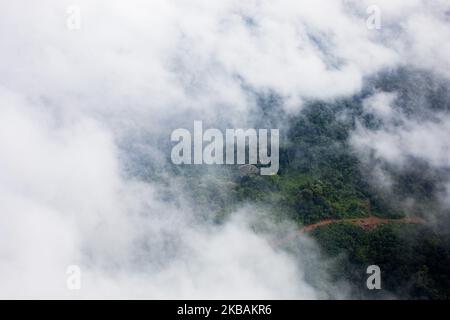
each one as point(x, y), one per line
point(322, 177)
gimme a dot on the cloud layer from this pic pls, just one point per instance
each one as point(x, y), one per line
point(70, 100)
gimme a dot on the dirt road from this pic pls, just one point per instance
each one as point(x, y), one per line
point(366, 223)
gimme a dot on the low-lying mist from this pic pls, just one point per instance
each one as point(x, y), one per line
point(85, 123)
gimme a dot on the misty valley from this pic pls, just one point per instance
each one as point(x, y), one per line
point(243, 150)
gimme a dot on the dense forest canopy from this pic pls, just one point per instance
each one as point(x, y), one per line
point(322, 176)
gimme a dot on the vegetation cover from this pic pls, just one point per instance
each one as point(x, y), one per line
point(321, 177)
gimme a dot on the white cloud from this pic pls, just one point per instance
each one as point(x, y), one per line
point(401, 137)
point(65, 201)
point(133, 70)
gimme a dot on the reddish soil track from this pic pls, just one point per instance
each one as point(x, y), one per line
point(366, 223)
